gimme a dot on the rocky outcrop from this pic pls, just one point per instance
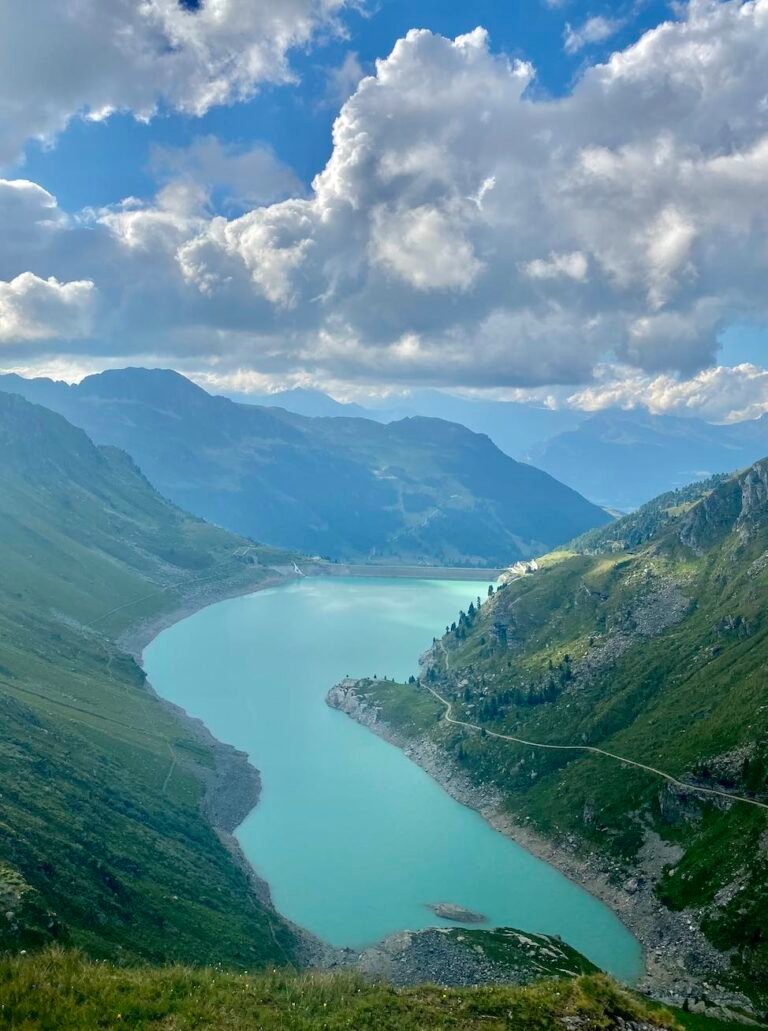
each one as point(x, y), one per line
point(739, 504)
point(345, 697)
point(455, 957)
point(24, 918)
point(458, 914)
point(754, 492)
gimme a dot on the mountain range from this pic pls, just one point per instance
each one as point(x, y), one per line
point(419, 489)
point(623, 459)
point(515, 428)
point(617, 458)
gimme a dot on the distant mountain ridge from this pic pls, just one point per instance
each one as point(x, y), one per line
point(623, 459)
point(417, 490)
point(513, 427)
point(617, 458)
point(312, 403)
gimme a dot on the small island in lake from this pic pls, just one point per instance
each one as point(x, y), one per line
point(450, 911)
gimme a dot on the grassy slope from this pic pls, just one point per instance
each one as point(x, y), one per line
point(589, 654)
point(55, 991)
point(101, 839)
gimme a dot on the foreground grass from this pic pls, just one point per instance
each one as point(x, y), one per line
point(62, 990)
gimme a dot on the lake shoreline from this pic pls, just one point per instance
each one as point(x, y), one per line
point(663, 935)
point(139, 636)
point(234, 790)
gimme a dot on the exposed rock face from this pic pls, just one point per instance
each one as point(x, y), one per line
point(715, 515)
point(345, 698)
point(728, 768)
point(758, 566)
point(754, 491)
point(740, 504)
point(25, 920)
point(677, 806)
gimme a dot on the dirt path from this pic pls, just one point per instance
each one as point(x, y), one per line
point(595, 751)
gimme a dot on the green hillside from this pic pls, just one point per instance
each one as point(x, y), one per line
point(653, 646)
point(415, 491)
point(103, 844)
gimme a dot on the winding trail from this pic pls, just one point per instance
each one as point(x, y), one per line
point(595, 751)
point(171, 768)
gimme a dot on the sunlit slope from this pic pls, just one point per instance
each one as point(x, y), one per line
point(652, 643)
point(103, 843)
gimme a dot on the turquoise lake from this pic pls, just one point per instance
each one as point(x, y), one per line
point(353, 838)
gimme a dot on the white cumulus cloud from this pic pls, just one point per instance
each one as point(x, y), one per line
point(94, 57)
point(720, 394)
point(424, 247)
point(39, 309)
point(629, 209)
point(594, 30)
point(464, 231)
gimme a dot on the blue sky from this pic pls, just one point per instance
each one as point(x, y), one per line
point(99, 163)
point(568, 205)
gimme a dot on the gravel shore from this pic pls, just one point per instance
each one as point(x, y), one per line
point(678, 958)
point(680, 965)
